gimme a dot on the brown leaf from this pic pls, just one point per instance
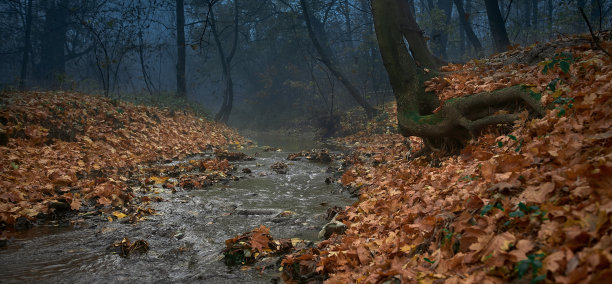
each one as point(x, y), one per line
point(104, 201)
point(75, 204)
point(537, 194)
point(522, 248)
point(488, 170)
point(554, 261)
point(364, 255)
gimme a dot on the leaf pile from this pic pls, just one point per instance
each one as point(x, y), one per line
point(254, 245)
point(124, 247)
point(80, 150)
point(534, 204)
point(194, 173)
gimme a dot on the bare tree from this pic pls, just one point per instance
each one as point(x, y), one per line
point(181, 85)
point(27, 47)
point(52, 66)
point(463, 18)
point(319, 40)
point(497, 26)
point(226, 60)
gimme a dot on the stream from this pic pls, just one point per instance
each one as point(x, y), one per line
point(188, 233)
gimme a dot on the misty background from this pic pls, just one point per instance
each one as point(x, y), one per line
point(251, 64)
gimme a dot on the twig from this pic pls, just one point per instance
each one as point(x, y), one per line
point(595, 38)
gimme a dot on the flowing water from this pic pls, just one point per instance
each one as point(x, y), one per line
point(187, 235)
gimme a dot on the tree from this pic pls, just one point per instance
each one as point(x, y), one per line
point(181, 87)
point(319, 40)
point(498, 28)
point(456, 120)
point(440, 31)
point(27, 47)
point(226, 60)
point(52, 65)
point(463, 18)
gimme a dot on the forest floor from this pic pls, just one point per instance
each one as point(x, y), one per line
point(531, 202)
point(524, 203)
point(69, 152)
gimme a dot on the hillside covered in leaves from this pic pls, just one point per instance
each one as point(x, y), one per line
point(524, 203)
point(61, 148)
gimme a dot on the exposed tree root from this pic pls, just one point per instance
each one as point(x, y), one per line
point(462, 118)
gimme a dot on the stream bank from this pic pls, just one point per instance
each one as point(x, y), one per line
point(188, 233)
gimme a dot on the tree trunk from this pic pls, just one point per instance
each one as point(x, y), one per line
point(526, 13)
point(440, 32)
point(463, 18)
point(228, 94)
point(27, 47)
point(596, 10)
point(326, 58)
point(549, 9)
point(496, 24)
point(456, 120)
point(52, 66)
point(181, 85)
point(580, 5)
point(535, 15)
point(346, 12)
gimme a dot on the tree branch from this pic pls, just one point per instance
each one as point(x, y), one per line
point(593, 36)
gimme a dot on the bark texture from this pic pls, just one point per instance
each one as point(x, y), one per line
point(457, 120)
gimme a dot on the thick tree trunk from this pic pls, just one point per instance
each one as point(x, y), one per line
point(52, 66)
point(326, 58)
point(181, 84)
point(463, 18)
point(27, 47)
point(496, 23)
point(457, 120)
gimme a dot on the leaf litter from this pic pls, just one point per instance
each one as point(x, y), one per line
point(533, 204)
point(74, 152)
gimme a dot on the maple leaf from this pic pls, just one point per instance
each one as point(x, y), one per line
point(259, 242)
point(260, 239)
point(75, 204)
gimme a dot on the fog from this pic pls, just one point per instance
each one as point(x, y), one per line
point(252, 64)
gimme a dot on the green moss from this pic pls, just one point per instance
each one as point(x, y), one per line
point(431, 119)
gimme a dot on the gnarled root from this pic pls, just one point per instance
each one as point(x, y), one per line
point(461, 119)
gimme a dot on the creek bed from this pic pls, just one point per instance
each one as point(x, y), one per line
point(188, 233)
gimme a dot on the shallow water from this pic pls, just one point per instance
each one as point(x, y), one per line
point(187, 235)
